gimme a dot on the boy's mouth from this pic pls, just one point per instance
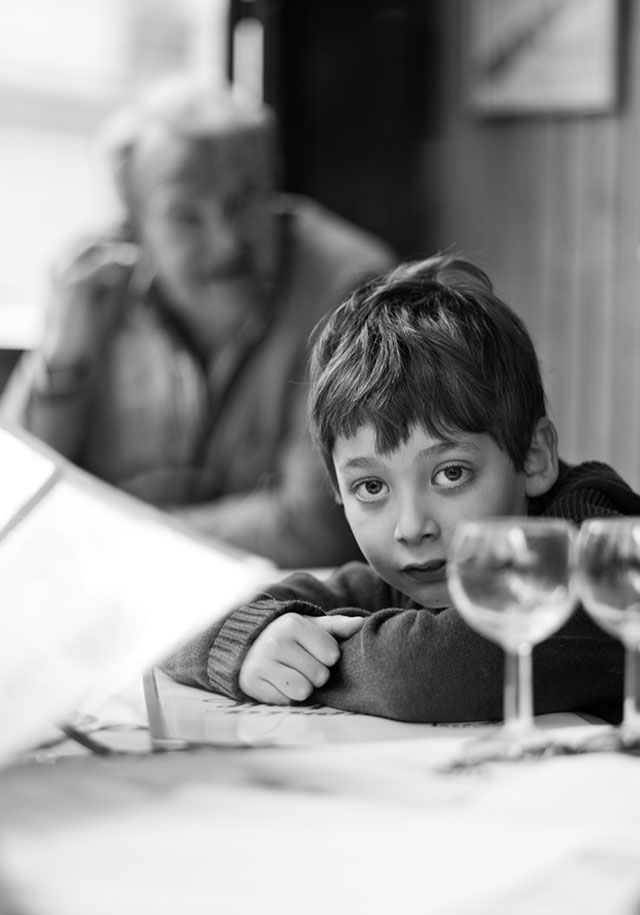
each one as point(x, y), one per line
point(427, 572)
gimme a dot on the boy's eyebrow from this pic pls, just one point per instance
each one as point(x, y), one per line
point(358, 463)
point(448, 445)
point(364, 463)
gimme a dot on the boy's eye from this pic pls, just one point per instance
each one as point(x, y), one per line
point(451, 476)
point(370, 490)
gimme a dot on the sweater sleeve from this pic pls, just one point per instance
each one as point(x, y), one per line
point(417, 665)
point(214, 658)
point(410, 664)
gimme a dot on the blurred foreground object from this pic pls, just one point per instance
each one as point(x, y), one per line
point(94, 588)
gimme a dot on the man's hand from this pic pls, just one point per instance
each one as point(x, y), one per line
point(293, 656)
point(87, 296)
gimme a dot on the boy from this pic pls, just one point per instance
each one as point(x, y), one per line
point(428, 408)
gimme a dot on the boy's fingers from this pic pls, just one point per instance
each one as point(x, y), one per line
point(304, 631)
point(293, 656)
point(291, 669)
point(297, 658)
point(277, 684)
point(340, 626)
point(291, 683)
point(263, 691)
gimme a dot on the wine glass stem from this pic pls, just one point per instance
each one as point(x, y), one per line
point(518, 698)
point(631, 711)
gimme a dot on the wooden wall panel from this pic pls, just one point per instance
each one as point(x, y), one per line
point(550, 206)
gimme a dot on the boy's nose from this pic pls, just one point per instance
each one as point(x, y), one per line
point(414, 523)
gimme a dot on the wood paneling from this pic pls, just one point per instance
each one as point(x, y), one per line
point(551, 208)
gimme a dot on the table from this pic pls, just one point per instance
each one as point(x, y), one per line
point(366, 827)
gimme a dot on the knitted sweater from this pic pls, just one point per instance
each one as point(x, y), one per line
point(416, 664)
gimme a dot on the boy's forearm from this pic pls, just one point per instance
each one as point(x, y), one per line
point(416, 666)
point(238, 633)
point(214, 658)
point(411, 665)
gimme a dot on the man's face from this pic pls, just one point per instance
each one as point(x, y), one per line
point(204, 223)
point(403, 507)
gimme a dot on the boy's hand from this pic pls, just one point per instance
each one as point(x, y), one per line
point(293, 656)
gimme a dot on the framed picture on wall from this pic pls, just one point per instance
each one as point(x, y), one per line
point(542, 56)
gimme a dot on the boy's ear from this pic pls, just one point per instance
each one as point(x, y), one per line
point(541, 462)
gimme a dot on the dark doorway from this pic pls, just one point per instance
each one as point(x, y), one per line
point(347, 79)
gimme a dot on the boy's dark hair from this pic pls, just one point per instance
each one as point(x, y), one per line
point(429, 344)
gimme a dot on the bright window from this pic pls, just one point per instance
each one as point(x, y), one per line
point(64, 65)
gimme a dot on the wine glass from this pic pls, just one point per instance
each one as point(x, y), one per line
point(608, 577)
point(512, 580)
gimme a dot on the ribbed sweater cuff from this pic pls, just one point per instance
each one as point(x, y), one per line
point(238, 633)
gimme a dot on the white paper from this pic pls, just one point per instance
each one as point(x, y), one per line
point(94, 588)
point(180, 714)
point(23, 472)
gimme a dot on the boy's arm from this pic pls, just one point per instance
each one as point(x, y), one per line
point(293, 656)
point(213, 660)
point(415, 665)
point(409, 664)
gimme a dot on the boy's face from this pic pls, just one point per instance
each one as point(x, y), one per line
point(403, 507)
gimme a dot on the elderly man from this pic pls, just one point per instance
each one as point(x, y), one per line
point(173, 359)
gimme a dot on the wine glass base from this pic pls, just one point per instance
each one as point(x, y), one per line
point(630, 739)
point(502, 744)
point(507, 745)
point(598, 739)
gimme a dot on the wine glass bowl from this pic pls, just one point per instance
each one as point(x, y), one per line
point(511, 579)
point(608, 581)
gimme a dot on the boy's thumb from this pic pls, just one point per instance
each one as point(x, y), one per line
point(341, 626)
